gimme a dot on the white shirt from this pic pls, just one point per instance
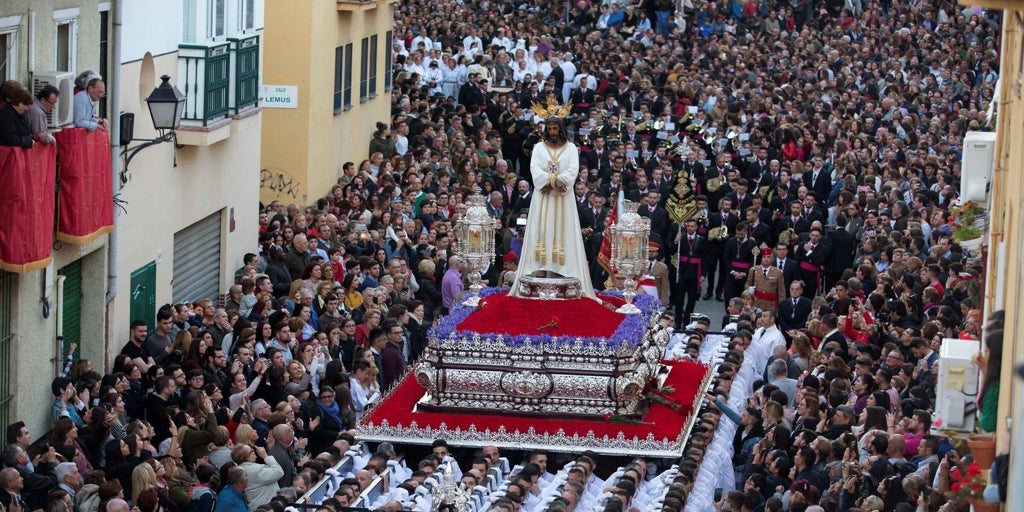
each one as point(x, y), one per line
point(361, 397)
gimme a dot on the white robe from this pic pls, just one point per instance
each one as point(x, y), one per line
point(554, 221)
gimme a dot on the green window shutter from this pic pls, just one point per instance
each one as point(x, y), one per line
point(72, 304)
point(7, 288)
point(143, 295)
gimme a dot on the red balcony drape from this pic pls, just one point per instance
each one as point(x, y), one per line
point(27, 180)
point(86, 205)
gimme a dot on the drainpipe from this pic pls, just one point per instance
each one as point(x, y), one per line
point(59, 311)
point(115, 167)
point(115, 148)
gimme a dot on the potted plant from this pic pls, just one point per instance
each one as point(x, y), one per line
point(968, 487)
point(968, 221)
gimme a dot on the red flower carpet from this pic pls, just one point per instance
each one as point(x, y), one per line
point(661, 421)
point(502, 313)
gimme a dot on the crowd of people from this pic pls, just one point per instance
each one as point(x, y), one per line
point(798, 161)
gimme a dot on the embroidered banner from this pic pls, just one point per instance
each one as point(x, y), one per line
point(86, 205)
point(27, 180)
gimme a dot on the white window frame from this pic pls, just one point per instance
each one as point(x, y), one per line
point(244, 10)
point(211, 20)
point(10, 33)
point(66, 17)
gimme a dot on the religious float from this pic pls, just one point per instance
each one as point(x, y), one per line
point(546, 368)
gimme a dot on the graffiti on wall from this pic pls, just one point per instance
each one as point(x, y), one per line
point(279, 184)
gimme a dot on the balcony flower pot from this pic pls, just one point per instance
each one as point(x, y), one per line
point(983, 449)
point(980, 505)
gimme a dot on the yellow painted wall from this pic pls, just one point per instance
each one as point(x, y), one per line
point(304, 148)
point(1005, 277)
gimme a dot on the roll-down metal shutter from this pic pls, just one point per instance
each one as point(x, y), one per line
point(197, 261)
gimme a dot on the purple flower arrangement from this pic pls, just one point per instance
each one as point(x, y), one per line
point(628, 334)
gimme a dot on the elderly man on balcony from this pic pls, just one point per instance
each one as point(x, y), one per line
point(85, 105)
point(46, 100)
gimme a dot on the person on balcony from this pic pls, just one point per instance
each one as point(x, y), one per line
point(14, 128)
point(85, 106)
point(46, 100)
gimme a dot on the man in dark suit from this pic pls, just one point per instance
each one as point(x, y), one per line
point(523, 196)
point(758, 230)
point(795, 220)
point(813, 210)
point(557, 76)
point(740, 197)
point(631, 101)
point(794, 311)
point(810, 256)
point(757, 168)
point(530, 96)
point(581, 98)
point(652, 210)
point(832, 334)
point(713, 254)
point(789, 267)
point(737, 258)
point(658, 161)
point(819, 178)
point(470, 93)
point(610, 188)
point(597, 156)
point(689, 247)
point(840, 250)
point(780, 199)
point(717, 171)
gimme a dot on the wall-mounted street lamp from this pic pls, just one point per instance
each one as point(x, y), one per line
point(166, 106)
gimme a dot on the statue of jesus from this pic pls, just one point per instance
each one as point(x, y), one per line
point(553, 244)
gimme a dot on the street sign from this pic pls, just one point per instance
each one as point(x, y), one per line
point(280, 96)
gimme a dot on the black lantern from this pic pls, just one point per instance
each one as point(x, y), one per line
point(166, 105)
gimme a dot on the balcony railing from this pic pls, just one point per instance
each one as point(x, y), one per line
point(245, 72)
point(28, 178)
point(204, 70)
point(361, 5)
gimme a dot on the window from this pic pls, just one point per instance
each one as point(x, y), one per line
point(364, 71)
point(373, 66)
point(339, 78)
point(215, 19)
point(7, 290)
point(188, 18)
point(246, 14)
point(388, 69)
point(348, 76)
point(8, 54)
point(67, 31)
point(104, 57)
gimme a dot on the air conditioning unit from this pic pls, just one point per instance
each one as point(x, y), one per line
point(979, 153)
point(957, 389)
point(63, 112)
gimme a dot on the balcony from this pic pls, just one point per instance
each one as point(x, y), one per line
point(361, 5)
point(28, 178)
point(221, 80)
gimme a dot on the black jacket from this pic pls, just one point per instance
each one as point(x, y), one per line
point(14, 128)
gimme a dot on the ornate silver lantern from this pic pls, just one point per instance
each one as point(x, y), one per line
point(629, 252)
point(451, 496)
point(475, 234)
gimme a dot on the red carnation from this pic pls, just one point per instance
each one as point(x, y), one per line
point(955, 487)
point(973, 469)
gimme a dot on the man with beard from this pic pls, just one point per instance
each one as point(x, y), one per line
point(553, 243)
